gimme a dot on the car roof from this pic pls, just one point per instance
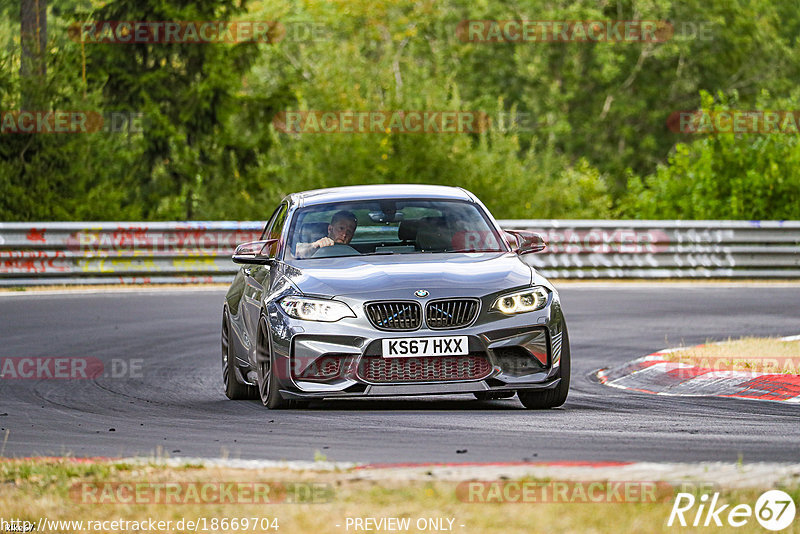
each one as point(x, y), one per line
point(379, 192)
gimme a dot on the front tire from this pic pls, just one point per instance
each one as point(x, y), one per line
point(267, 383)
point(551, 398)
point(234, 390)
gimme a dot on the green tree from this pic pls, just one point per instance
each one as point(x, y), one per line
point(724, 176)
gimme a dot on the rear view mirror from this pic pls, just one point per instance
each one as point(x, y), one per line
point(386, 217)
point(526, 242)
point(254, 252)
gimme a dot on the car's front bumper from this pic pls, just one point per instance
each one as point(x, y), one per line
point(522, 352)
point(396, 390)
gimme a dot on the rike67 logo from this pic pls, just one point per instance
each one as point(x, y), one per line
point(774, 510)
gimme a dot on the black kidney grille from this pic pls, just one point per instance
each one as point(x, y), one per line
point(452, 313)
point(395, 315)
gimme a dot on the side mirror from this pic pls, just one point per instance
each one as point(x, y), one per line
point(254, 252)
point(526, 242)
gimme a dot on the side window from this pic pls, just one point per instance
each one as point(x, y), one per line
point(269, 222)
point(275, 229)
point(277, 224)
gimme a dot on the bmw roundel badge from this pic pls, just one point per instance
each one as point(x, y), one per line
point(421, 293)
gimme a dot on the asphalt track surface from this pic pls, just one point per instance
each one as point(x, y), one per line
point(177, 407)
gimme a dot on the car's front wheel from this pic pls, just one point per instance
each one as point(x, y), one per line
point(551, 398)
point(234, 390)
point(267, 382)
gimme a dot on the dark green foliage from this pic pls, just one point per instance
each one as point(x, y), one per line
point(750, 176)
point(593, 140)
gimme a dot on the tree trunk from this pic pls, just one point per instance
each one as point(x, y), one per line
point(33, 38)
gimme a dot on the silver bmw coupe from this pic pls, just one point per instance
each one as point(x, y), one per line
point(388, 290)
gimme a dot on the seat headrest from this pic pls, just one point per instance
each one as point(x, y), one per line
point(310, 232)
point(434, 234)
point(407, 231)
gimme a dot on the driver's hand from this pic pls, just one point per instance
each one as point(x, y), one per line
point(323, 242)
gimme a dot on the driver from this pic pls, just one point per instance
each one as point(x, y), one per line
point(340, 232)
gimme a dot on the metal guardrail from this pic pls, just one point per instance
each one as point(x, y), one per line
point(199, 252)
point(121, 253)
point(665, 249)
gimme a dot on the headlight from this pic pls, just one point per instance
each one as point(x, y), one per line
point(522, 301)
point(316, 309)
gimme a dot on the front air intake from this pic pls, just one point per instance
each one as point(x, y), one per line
point(474, 366)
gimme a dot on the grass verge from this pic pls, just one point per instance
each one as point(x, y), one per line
point(32, 489)
point(752, 354)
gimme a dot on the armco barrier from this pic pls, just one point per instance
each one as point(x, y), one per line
point(665, 249)
point(199, 252)
point(124, 252)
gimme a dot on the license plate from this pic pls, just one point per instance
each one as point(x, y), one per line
point(425, 346)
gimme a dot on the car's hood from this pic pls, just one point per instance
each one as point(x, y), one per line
point(473, 273)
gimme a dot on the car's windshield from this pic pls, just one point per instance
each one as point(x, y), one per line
point(400, 226)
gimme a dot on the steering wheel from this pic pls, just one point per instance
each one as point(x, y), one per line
point(337, 249)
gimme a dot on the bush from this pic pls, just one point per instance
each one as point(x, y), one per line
point(724, 176)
